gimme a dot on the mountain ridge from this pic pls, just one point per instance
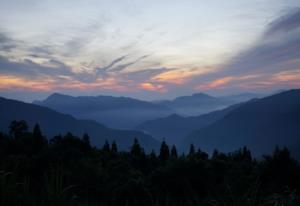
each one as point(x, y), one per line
point(54, 123)
point(174, 128)
point(115, 112)
point(259, 124)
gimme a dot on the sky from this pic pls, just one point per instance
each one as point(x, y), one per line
point(148, 49)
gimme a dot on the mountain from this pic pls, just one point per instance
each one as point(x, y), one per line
point(197, 104)
point(243, 97)
point(115, 112)
point(261, 125)
point(54, 123)
point(174, 128)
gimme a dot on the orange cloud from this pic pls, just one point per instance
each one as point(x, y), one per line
point(47, 84)
point(284, 78)
point(287, 76)
point(8, 82)
point(13, 82)
point(152, 87)
point(102, 84)
point(178, 76)
point(223, 82)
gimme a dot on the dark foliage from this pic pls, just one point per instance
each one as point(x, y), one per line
point(67, 170)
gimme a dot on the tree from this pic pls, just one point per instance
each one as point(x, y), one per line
point(192, 150)
point(56, 140)
point(215, 154)
point(18, 128)
point(174, 152)
point(201, 155)
point(86, 139)
point(106, 147)
point(86, 142)
point(39, 140)
point(114, 147)
point(152, 155)
point(164, 151)
point(136, 149)
point(37, 133)
point(246, 154)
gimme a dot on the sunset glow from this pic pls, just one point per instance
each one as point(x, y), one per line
point(134, 47)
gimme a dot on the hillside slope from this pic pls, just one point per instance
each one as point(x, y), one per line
point(174, 128)
point(260, 124)
point(53, 123)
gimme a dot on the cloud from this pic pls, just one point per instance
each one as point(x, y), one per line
point(276, 52)
point(272, 60)
point(149, 73)
point(8, 82)
point(279, 46)
point(224, 82)
point(115, 67)
point(6, 43)
point(179, 76)
point(52, 75)
point(30, 69)
point(285, 23)
point(153, 87)
point(19, 83)
point(102, 71)
point(126, 65)
point(41, 51)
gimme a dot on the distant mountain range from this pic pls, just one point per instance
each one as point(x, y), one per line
point(243, 97)
point(201, 103)
point(261, 125)
point(54, 123)
point(127, 113)
point(115, 112)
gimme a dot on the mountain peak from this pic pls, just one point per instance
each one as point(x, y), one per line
point(201, 95)
point(56, 96)
point(195, 96)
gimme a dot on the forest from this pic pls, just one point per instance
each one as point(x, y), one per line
point(66, 170)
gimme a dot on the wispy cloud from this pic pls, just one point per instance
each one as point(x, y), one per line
point(278, 46)
point(6, 43)
point(28, 68)
point(275, 53)
point(224, 82)
point(126, 65)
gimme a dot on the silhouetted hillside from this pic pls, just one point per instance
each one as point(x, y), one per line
point(174, 127)
point(54, 123)
point(260, 124)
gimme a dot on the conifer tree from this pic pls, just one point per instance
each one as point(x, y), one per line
point(39, 140)
point(114, 147)
point(86, 141)
point(17, 128)
point(164, 151)
point(246, 154)
point(106, 147)
point(192, 150)
point(201, 155)
point(215, 154)
point(174, 152)
point(136, 149)
point(152, 155)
